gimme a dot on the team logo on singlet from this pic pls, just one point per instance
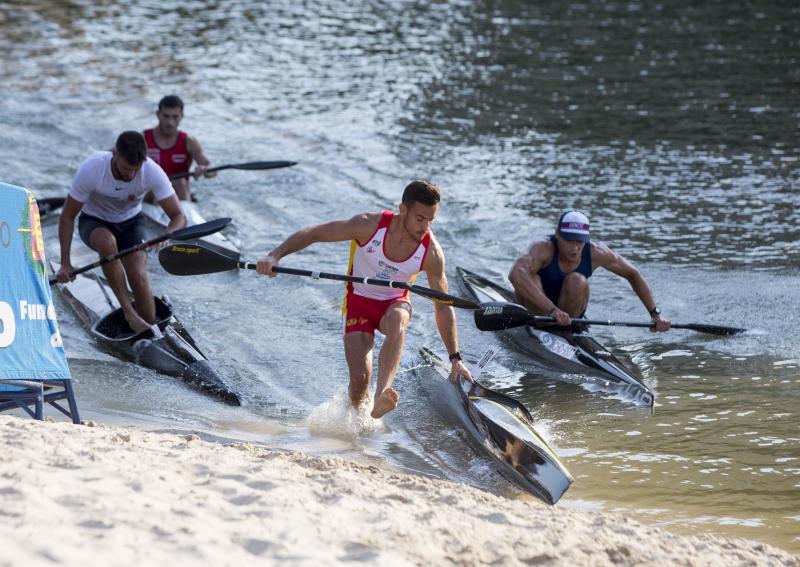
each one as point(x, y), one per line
point(387, 271)
point(178, 158)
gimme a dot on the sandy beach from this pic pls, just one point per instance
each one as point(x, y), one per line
point(108, 495)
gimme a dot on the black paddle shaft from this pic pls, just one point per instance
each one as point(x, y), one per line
point(496, 316)
point(437, 296)
point(251, 165)
point(196, 259)
point(187, 233)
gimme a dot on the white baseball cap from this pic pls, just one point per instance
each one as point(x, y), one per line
point(574, 225)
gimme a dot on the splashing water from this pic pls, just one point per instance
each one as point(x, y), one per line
point(338, 418)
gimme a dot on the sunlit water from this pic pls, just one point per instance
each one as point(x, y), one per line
point(674, 125)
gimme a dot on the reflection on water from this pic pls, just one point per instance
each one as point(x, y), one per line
point(674, 125)
point(708, 440)
point(677, 73)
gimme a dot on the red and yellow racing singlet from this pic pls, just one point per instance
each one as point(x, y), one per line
point(369, 260)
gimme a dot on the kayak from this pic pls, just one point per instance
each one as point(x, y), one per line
point(49, 206)
point(171, 351)
point(503, 428)
point(574, 352)
point(216, 241)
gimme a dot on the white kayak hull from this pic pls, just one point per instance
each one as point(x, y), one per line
point(216, 241)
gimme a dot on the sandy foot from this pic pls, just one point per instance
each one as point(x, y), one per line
point(385, 403)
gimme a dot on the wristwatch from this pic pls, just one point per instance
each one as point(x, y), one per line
point(655, 311)
point(455, 356)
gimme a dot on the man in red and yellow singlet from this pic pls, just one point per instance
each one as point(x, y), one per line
point(388, 246)
point(173, 149)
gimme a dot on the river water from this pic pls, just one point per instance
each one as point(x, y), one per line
point(674, 125)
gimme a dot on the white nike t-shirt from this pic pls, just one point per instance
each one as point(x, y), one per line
point(111, 199)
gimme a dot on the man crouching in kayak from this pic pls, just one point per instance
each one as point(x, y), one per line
point(389, 246)
point(552, 277)
point(108, 190)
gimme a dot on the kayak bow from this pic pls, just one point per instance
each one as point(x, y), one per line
point(173, 353)
point(504, 429)
point(573, 352)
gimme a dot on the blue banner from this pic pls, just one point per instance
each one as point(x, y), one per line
point(30, 344)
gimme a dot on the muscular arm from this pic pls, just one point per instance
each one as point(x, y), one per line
point(172, 207)
point(604, 257)
point(524, 277)
point(359, 227)
point(66, 226)
point(445, 314)
point(196, 152)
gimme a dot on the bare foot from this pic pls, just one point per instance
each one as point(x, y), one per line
point(136, 323)
point(385, 403)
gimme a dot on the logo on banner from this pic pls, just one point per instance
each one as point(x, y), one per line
point(30, 228)
point(27, 312)
point(8, 325)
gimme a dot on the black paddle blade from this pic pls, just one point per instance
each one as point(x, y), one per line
point(189, 260)
point(199, 230)
point(499, 315)
point(49, 204)
point(711, 329)
point(263, 165)
point(443, 298)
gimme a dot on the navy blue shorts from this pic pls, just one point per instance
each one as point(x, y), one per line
point(128, 233)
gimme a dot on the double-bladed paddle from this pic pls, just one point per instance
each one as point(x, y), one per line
point(253, 165)
point(496, 316)
point(196, 259)
point(187, 233)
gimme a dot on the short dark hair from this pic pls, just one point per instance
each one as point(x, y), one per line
point(131, 147)
point(420, 191)
point(171, 101)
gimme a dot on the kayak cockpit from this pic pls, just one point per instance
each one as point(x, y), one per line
point(169, 350)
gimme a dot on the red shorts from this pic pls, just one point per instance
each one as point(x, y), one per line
point(364, 314)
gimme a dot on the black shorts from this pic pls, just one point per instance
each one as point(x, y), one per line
point(128, 233)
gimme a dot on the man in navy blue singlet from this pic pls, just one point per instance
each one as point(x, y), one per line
point(552, 277)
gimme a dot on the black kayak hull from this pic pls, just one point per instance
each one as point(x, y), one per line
point(504, 429)
point(575, 353)
point(174, 353)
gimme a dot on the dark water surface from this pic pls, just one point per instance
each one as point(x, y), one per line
point(674, 125)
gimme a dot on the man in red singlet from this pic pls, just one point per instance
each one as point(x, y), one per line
point(388, 246)
point(173, 149)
